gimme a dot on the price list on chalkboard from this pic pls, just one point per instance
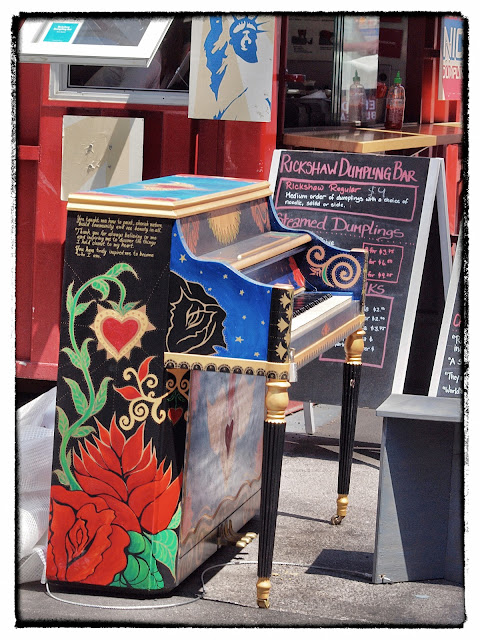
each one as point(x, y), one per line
point(451, 378)
point(447, 377)
point(358, 201)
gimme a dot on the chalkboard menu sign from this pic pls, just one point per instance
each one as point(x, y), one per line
point(447, 376)
point(381, 203)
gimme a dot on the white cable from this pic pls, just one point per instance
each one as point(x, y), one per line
point(202, 595)
point(287, 564)
point(106, 606)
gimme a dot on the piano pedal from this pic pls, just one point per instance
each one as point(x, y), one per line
point(246, 539)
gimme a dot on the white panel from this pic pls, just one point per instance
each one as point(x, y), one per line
point(100, 152)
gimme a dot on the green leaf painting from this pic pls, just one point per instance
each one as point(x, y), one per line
point(82, 431)
point(165, 547)
point(62, 477)
point(63, 423)
point(119, 268)
point(175, 521)
point(81, 308)
point(141, 571)
point(78, 397)
point(75, 358)
point(101, 396)
point(102, 286)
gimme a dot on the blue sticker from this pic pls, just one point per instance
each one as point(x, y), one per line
point(61, 32)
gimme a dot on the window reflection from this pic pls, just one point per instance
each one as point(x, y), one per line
point(112, 31)
point(309, 71)
point(360, 69)
point(169, 68)
point(331, 62)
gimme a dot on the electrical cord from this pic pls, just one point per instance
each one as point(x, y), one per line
point(357, 574)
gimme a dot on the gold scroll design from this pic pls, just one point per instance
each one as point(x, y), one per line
point(146, 403)
point(119, 333)
point(341, 271)
point(225, 225)
point(283, 326)
point(271, 370)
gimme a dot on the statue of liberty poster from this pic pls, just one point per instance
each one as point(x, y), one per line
point(231, 68)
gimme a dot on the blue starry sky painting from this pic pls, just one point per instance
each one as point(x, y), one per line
point(246, 303)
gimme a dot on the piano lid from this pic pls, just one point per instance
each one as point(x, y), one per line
point(170, 196)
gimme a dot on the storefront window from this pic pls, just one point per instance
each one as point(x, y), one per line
point(309, 70)
point(168, 69)
point(332, 61)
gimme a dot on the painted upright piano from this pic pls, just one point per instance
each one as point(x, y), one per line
point(186, 308)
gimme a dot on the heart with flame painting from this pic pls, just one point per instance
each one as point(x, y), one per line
point(119, 333)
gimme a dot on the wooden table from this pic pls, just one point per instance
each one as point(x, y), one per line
point(367, 140)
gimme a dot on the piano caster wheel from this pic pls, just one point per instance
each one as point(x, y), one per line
point(263, 593)
point(336, 519)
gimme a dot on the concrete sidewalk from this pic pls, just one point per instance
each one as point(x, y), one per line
point(321, 574)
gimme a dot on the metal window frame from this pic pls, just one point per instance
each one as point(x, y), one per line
point(59, 90)
point(31, 50)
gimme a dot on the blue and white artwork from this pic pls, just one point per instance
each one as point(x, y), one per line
point(232, 68)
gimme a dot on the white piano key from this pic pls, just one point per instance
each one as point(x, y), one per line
point(318, 312)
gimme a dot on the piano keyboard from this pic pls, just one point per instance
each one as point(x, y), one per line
point(318, 327)
point(308, 299)
point(311, 308)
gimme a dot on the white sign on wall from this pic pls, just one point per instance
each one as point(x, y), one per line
point(231, 68)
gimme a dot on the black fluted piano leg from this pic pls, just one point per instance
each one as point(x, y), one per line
point(352, 368)
point(276, 401)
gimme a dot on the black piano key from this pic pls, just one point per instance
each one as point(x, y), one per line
point(307, 300)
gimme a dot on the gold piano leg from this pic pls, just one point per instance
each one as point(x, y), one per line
point(276, 401)
point(351, 384)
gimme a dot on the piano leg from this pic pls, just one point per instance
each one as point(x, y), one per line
point(276, 401)
point(351, 384)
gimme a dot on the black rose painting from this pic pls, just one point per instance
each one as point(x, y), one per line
point(196, 319)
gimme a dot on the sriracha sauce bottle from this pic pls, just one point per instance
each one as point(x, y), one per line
point(395, 105)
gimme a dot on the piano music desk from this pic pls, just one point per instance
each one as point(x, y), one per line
point(187, 307)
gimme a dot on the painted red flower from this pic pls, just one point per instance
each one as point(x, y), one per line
point(84, 543)
point(125, 474)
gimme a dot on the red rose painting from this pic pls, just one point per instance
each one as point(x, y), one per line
point(84, 543)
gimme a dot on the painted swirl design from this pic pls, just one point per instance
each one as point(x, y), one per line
point(341, 271)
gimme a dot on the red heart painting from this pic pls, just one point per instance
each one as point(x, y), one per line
point(119, 332)
point(228, 435)
point(174, 415)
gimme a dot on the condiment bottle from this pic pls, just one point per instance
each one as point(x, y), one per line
point(395, 105)
point(356, 101)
